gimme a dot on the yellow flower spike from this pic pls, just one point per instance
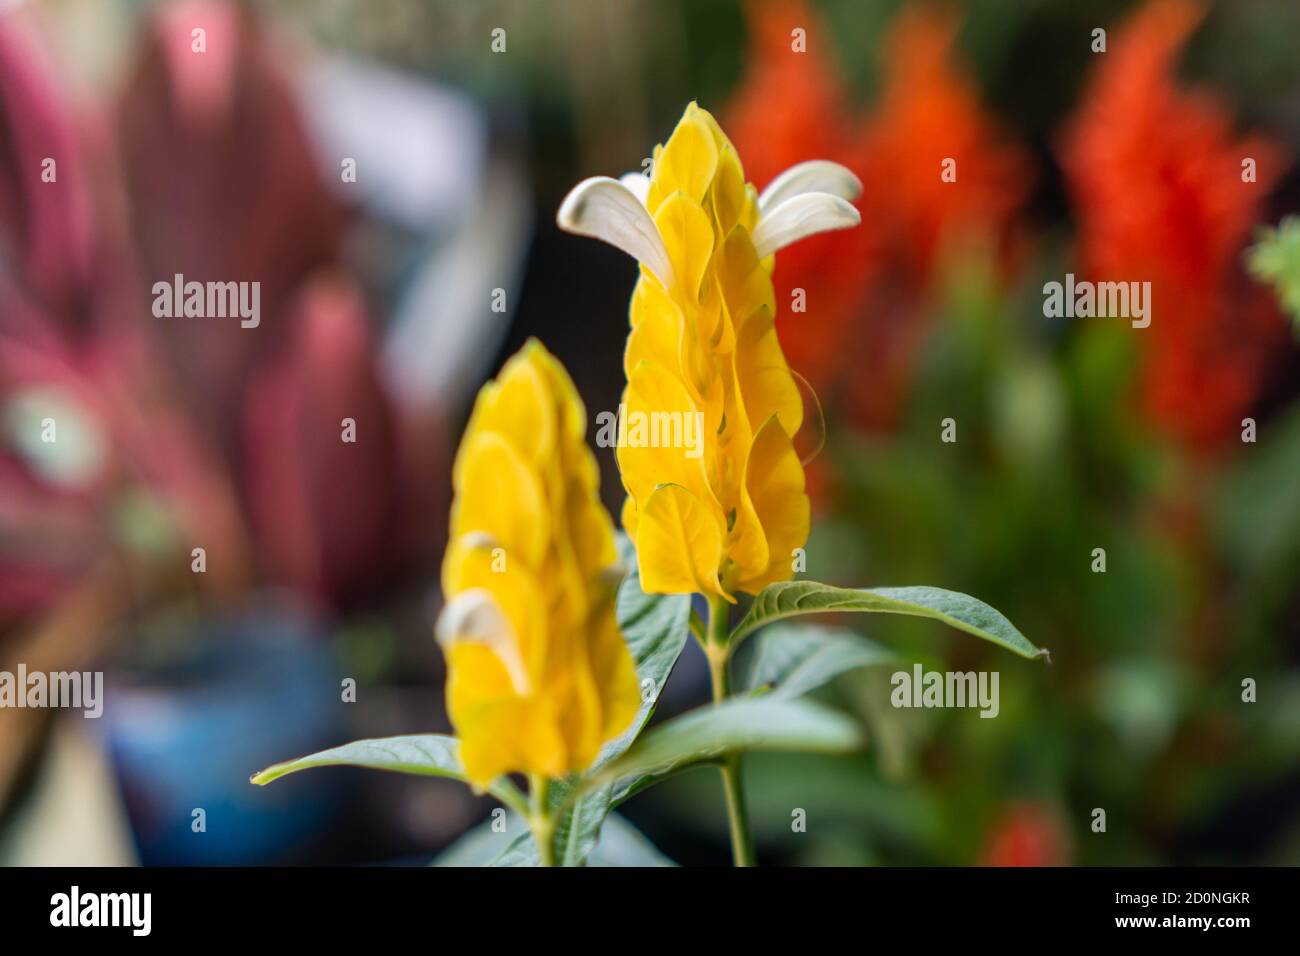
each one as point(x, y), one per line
point(539, 677)
point(726, 517)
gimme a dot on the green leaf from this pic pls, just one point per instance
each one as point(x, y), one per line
point(621, 844)
point(521, 851)
point(656, 628)
point(739, 724)
point(629, 787)
point(432, 755)
point(789, 598)
point(482, 845)
point(577, 831)
point(795, 659)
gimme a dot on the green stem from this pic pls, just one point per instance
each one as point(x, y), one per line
point(540, 819)
point(742, 843)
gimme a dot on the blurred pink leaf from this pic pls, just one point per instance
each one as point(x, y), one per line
point(325, 510)
point(223, 187)
point(45, 227)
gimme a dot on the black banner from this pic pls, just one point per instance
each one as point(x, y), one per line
point(270, 906)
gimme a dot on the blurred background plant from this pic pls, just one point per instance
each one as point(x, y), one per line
point(378, 295)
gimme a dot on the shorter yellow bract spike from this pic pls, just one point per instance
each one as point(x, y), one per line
point(539, 676)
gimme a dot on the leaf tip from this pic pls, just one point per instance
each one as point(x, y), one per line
point(262, 777)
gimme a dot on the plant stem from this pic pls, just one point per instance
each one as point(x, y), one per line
point(742, 843)
point(540, 820)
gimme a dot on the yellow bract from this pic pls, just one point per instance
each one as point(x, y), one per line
point(539, 674)
point(729, 519)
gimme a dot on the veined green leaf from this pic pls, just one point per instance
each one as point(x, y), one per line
point(431, 755)
point(965, 613)
point(520, 851)
point(656, 627)
point(629, 787)
point(794, 659)
point(739, 724)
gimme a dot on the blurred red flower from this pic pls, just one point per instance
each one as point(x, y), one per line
point(929, 114)
point(868, 289)
point(791, 107)
point(1157, 177)
point(1026, 834)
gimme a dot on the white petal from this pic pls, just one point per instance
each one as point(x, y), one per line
point(478, 541)
point(605, 209)
point(814, 176)
point(474, 616)
point(638, 183)
point(801, 216)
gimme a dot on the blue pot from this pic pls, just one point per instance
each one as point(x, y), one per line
point(185, 729)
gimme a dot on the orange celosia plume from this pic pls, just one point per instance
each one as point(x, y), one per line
point(790, 106)
point(866, 297)
point(929, 112)
point(1156, 173)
